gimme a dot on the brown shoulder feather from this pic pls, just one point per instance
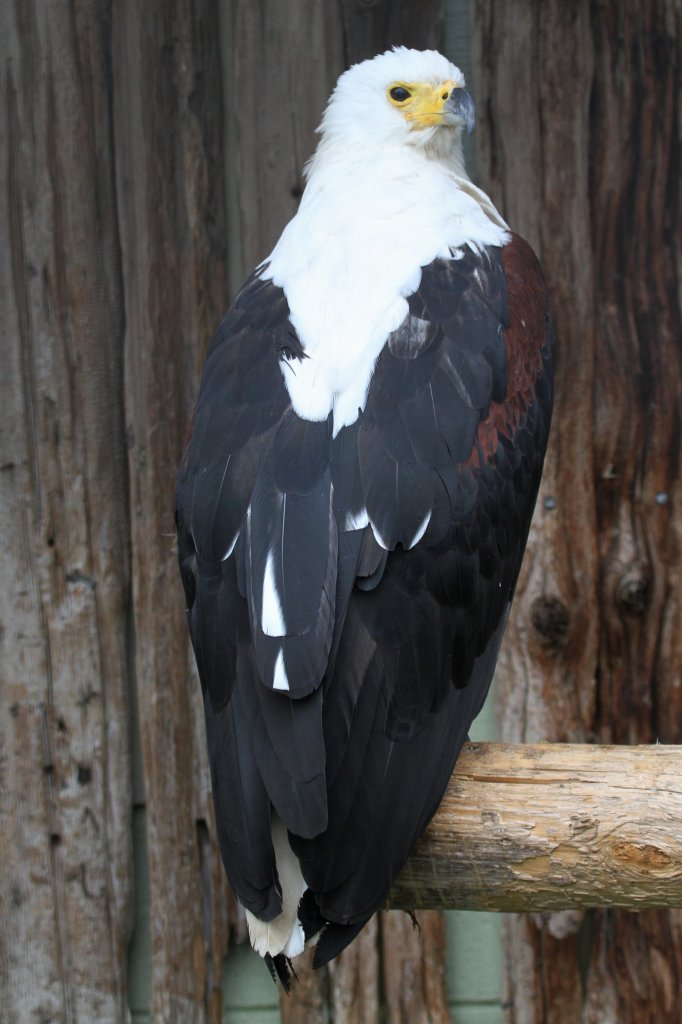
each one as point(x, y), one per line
point(524, 339)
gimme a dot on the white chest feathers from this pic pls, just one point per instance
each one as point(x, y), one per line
point(351, 257)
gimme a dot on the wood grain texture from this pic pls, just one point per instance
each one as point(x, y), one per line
point(372, 26)
point(413, 967)
point(579, 143)
point(65, 801)
point(532, 158)
point(282, 64)
point(168, 140)
point(545, 827)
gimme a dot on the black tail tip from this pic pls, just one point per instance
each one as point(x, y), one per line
point(334, 940)
point(281, 969)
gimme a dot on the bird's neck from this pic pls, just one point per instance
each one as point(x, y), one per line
point(422, 174)
point(367, 224)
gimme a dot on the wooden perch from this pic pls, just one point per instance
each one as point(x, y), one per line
point(548, 827)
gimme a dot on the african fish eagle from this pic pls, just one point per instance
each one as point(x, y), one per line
point(353, 504)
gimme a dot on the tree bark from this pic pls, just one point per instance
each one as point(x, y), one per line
point(65, 837)
point(546, 827)
point(579, 144)
point(168, 133)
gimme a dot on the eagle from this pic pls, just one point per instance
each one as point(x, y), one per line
point(353, 504)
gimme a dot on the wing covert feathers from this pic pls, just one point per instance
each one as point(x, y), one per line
point(347, 595)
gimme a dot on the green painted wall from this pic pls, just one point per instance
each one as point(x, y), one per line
point(474, 949)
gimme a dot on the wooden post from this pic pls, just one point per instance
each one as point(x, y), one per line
point(547, 827)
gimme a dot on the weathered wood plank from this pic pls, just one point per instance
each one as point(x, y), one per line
point(532, 157)
point(413, 968)
point(168, 135)
point(282, 63)
point(371, 27)
point(544, 827)
point(580, 144)
point(65, 805)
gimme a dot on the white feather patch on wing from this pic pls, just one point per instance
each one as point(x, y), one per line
point(231, 546)
point(355, 521)
point(272, 617)
point(378, 538)
point(280, 679)
point(421, 530)
point(284, 934)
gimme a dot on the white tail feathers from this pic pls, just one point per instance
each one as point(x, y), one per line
point(284, 934)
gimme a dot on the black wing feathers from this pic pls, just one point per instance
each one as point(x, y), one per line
point(350, 592)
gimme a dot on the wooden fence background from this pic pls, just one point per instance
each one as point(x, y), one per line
point(150, 153)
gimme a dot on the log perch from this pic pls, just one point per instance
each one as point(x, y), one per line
point(548, 827)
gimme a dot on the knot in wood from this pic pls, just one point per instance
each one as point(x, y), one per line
point(644, 858)
point(551, 620)
point(633, 589)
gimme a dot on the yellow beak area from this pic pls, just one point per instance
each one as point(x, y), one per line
point(426, 107)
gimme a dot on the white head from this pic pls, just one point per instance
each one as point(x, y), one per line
point(405, 97)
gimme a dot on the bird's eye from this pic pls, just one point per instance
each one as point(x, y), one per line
point(399, 93)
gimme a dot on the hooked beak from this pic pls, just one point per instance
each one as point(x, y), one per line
point(461, 105)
